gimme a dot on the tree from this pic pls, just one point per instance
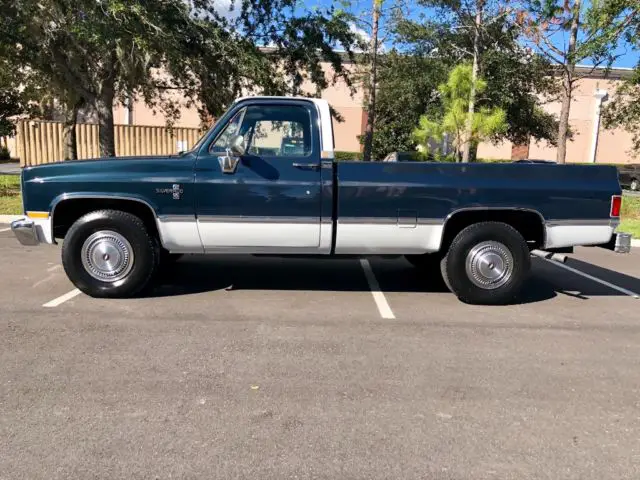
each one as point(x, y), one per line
point(624, 110)
point(9, 107)
point(27, 93)
point(371, 91)
point(568, 32)
point(472, 19)
point(407, 89)
point(456, 94)
point(13, 99)
point(408, 83)
point(103, 52)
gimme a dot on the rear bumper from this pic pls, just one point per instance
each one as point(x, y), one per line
point(26, 232)
point(620, 243)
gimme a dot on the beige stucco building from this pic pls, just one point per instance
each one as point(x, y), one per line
point(590, 142)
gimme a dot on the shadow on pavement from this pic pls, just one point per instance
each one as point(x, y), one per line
point(197, 275)
point(571, 284)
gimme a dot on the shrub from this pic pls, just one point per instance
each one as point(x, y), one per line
point(347, 156)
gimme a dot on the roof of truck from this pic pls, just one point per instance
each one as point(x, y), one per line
point(318, 101)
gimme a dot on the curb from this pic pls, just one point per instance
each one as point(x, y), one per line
point(10, 218)
point(635, 242)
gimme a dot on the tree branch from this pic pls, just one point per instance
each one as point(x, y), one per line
point(552, 47)
point(70, 77)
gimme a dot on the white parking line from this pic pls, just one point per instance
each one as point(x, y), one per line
point(55, 267)
point(45, 279)
point(60, 300)
point(595, 279)
point(378, 296)
point(5, 229)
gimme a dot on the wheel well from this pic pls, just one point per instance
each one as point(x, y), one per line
point(530, 224)
point(67, 212)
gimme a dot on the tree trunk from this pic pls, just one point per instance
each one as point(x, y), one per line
point(371, 104)
point(468, 128)
point(106, 131)
point(567, 84)
point(69, 131)
point(563, 124)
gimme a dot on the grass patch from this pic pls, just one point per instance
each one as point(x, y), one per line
point(10, 197)
point(630, 216)
point(630, 207)
point(631, 226)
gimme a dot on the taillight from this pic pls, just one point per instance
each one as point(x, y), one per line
point(616, 205)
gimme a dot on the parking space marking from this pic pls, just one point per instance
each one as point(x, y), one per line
point(5, 229)
point(43, 280)
point(60, 300)
point(591, 277)
point(378, 296)
point(51, 269)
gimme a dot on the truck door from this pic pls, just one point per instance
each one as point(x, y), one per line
point(267, 199)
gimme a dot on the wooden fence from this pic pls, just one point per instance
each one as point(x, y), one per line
point(41, 142)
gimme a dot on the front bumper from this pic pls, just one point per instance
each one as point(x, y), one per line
point(26, 232)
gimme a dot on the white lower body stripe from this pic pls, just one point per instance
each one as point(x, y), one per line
point(372, 239)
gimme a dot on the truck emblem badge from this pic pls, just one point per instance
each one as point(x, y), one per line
point(176, 191)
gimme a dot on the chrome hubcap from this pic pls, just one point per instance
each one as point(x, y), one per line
point(107, 256)
point(489, 265)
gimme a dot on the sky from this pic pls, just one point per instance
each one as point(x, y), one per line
point(626, 56)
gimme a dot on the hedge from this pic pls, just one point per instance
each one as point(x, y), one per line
point(347, 156)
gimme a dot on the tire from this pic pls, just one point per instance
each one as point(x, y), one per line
point(487, 264)
point(114, 239)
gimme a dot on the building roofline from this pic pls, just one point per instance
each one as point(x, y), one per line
point(589, 71)
point(612, 73)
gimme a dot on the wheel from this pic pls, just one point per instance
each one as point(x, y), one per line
point(487, 264)
point(426, 261)
point(634, 185)
point(109, 254)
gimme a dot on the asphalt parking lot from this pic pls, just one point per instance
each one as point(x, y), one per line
point(266, 368)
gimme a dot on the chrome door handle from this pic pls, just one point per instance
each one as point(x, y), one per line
point(310, 166)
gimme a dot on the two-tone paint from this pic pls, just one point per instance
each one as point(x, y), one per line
point(313, 205)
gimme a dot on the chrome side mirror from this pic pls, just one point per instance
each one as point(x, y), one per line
point(236, 146)
point(235, 149)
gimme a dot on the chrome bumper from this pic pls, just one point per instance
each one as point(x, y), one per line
point(25, 232)
point(622, 242)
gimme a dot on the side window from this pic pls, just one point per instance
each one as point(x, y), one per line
point(232, 129)
point(277, 131)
